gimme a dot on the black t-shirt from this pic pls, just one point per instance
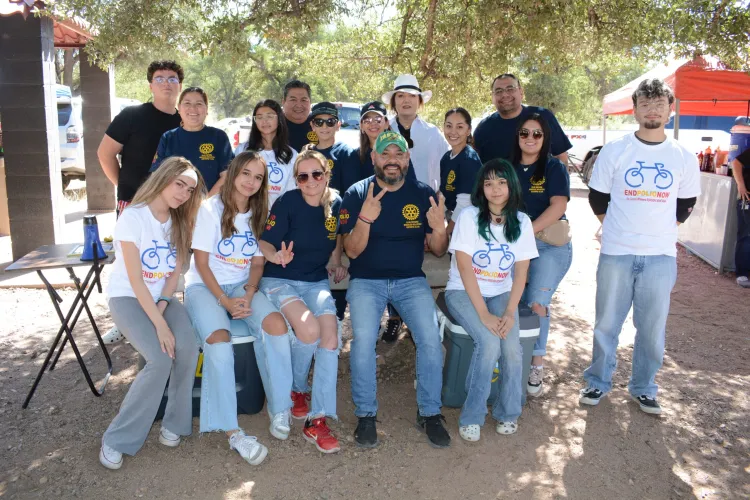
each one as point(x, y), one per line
point(494, 136)
point(458, 174)
point(301, 134)
point(292, 219)
point(395, 248)
point(138, 129)
point(744, 159)
point(536, 194)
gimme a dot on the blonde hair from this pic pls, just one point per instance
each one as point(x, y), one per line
point(329, 194)
point(183, 217)
point(257, 203)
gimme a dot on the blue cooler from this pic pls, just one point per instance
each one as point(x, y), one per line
point(459, 347)
point(739, 141)
point(248, 384)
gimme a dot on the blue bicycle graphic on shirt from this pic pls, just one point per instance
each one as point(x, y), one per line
point(226, 246)
point(151, 258)
point(482, 258)
point(275, 173)
point(662, 180)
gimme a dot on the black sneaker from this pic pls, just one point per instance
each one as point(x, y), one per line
point(590, 396)
point(366, 434)
point(648, 405)
point(435, 430)
point(392, 327)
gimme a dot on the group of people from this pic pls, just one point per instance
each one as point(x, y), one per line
point(285, 206)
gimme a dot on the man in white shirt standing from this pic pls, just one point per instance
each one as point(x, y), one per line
point(643, 186)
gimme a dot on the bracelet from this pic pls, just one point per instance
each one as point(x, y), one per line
point(218, 301)
point(165, 299)
point(252, 286)
point(365, 220)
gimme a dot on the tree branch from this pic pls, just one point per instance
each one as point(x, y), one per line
point(429, 36)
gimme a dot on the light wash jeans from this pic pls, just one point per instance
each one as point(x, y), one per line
point(413, 299)
point(317, 297)
point(645, 282)
point(272, 353)
point(488, 348)
point(545, 274)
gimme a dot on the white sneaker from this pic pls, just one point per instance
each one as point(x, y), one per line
point(113, 336)
point(536, 378)
point(279, 427)
point(743, 281)
point(506, 427)
point(469, 432)
point(248, 447)
point(110, 458)
point(168, 438)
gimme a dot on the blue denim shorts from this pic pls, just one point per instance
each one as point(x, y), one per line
point(315, 294)
point(208, 316)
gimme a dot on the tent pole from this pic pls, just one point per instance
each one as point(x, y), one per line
point(604, 129)
point(676, 119)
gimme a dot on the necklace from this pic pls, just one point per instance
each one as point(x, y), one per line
point(498, 218)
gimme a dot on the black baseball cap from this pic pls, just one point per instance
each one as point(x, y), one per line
point(373, 107)
point(324, 108)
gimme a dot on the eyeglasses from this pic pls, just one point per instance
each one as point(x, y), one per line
point(647, 105)
point(372, 119)
point(536, 133)
point(330, 122)
point(266, 117)
point(507, 90)
point(304, 176)
point(172, 79)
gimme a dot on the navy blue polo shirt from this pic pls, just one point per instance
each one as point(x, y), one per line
point(395, 249)
point(494, 135)
point(292, 219)
point(458, 175)
point(536, 194)
point(343, 164)
point(367, 169)
point(208, 149)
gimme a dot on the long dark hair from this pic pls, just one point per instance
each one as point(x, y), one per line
point(258, 203)
point(280, 143)
point(541, 162)
point(498, 169)
point(466, 116)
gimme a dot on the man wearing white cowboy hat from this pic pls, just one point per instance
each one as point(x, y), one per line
point(426, 143)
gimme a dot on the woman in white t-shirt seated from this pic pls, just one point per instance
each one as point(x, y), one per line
point(269, 136)
point(492, 244)
point(152, 241)
point(221, 285)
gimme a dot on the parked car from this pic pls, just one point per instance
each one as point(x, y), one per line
point(70, 132)
point(237, 129)
point(349, 118)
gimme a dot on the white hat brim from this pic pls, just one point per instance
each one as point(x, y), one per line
point(426, 95)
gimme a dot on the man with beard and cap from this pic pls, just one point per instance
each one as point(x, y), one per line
point(643, 186)
point(495, 135)
point(385, 220)
point(296, 104)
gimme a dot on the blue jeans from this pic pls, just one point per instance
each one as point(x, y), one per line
point(272, 352)
point(318, 299)
point(488, 348)
point(742, 247)
point(545, 274)
point(413, 299)
point(645, 282)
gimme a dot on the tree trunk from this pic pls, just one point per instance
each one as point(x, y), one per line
point(423, 65)
point(68, 64)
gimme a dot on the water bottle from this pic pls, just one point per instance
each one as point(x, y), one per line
point(91, 238)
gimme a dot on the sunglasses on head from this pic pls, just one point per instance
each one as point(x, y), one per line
point(536, 133)
point(330, 122)
point(304, 176)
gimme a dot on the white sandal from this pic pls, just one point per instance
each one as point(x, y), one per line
point(506, 427)
point(469, 432)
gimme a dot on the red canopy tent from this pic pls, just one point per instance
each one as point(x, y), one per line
point(702, 86)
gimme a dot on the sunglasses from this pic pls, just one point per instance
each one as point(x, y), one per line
point(372, 119)
point(304, 177)
point(524, 133)
point(330, 122)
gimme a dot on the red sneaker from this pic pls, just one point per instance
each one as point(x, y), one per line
point(300, 404)
point(317, 432)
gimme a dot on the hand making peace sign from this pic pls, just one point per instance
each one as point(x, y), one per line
point(371, 207)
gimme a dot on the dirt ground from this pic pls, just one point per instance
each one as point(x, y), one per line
point(699, 447)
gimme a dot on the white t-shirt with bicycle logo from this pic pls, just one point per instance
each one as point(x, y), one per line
point(228, 258)
point(644, 182)
point(280, 178)
point(492, 261)
point(137, 225)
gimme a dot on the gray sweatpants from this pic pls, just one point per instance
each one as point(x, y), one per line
point(129, 429)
